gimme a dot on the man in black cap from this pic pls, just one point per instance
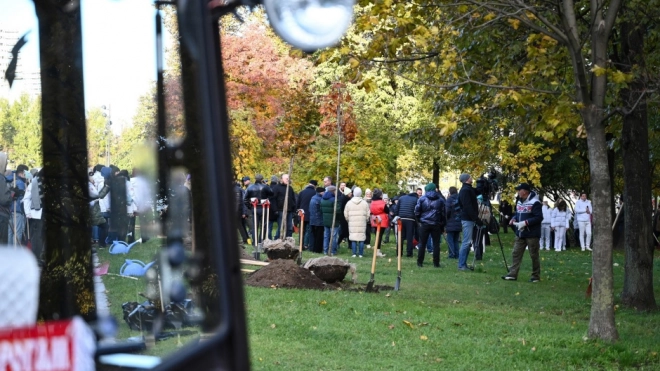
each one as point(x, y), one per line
point(527, 226)
point(246, 181)
point(304, 197)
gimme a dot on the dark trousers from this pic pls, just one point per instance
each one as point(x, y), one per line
point(130, 236)
point(368, 232)
point(241, 229)
point(37, 238)
point(478, 242)
point(409, 227)
point(317, 238)
point(426, 230)
point(4, 230)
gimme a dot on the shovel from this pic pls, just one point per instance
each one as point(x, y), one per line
point(370, 285)
point(301, 214)
point(255, 232)
point(399, 252)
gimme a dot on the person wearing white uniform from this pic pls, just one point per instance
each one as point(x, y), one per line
point(560, 222)
point(546, 224)
point(583, 210)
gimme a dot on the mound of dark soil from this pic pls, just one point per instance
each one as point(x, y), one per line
point(284, 273)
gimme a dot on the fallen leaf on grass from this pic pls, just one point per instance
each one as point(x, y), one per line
point(517, 293)
point(409, 324)
point(424, 337)
point(533, 349)
point(456, 301)
point(388, 295)
point(390, 327)
point(616, 264)
point(423, 324)
point(272, 325)
point(393, 344)
point(323, 302)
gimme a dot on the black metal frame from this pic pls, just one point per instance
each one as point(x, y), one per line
point(207, 143)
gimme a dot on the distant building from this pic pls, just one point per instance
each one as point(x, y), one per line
point(28, 81)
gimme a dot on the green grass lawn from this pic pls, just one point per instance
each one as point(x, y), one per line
point(440, 319)
point(447, 319)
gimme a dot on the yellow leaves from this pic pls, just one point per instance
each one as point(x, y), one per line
point(323, 302)
point(620, 77)
point(514, 23)
point(424, 337)
point(489, 16)
point(353, 62)
point(598, 70)
point(408, 323)
point(272, 325)
point(492, 79)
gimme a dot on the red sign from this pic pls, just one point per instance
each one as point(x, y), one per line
point(51, 346)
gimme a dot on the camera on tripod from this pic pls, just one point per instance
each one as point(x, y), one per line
point(487, 185)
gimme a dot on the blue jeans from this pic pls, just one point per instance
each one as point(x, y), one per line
point(326, 239)
point(465, 247)
point(19, 228)
point(358, 245)
point(289, 224)
point(453, 242)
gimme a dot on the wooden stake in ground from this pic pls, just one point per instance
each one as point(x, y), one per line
point(284, 218)
point(301, 214)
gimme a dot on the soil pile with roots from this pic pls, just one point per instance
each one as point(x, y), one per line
point(285, 273)
point(281, 249)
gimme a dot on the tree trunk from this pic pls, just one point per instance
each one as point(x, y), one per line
point(436, 172)
point(67, 286)
point(638, 239)
point(601, 323)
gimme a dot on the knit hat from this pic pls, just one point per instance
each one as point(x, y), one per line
point(430, 187)
point(331, 188)
point(357, 192)
point(313, 182)
point(464, 177)
point(245, 178)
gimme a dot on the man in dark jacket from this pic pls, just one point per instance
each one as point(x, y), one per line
point(259, 192)
point(330, 209)
point(505, 214)
point(316, 221)
point(5, 201)
point(284, 212)
point(406, 211)
point(453, 227)
point(241, 211)
point(467, 202)
point(527, 226)
point(304, 198)
point(430, 211)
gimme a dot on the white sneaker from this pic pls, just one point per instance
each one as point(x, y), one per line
point(380, 254)
point(588, 248)
point(354, 256)
point(368, 246)
point(360, 256)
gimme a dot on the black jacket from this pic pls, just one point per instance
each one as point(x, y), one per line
point(406, 206)
point(304, 197)
point(453, 220)
point(467, 199)
point(239, 193)
point(430, 209)
point(279, 193)
point(258, 190)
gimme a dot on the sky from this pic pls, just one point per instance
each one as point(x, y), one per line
point(119, 61)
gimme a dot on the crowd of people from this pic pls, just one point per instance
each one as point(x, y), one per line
point(331, 214)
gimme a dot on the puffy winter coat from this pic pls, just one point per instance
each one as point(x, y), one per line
point(356, 214)
point(430, 209)
point(560, 218)
point(547, 214)
point(304, 198)
point(260, 191)
point(407, 206)
point(581, 210)
point(379, 208)
point(529, 211)
point(453, 220)
point(327, 207)
point(315, 215)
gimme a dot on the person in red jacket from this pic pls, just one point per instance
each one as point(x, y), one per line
point(379, 208)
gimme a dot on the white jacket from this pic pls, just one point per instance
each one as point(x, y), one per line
point(547, 214)
point(581, 210)
point(27, 202)
point(560, 218)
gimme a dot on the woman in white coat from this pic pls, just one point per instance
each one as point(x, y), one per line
point(560, 221)
point(583, 210)
point(357, 215)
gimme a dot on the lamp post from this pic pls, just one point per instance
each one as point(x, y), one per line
point(107, 113)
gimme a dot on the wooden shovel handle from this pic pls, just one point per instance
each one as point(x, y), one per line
point(376, 246)
point(399, 245)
